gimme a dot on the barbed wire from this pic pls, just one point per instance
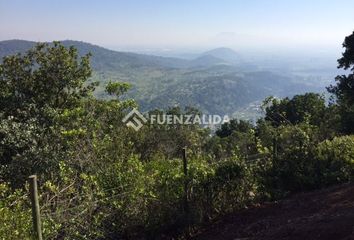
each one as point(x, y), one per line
point(102, 190)
point(97, 201)
point(23, 197)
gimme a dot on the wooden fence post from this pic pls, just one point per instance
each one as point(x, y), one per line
point(185, 171)
point(36, 217)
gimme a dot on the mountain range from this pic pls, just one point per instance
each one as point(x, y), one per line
point(219, 81)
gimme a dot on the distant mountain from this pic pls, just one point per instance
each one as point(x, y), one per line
point(216, 82)
point(103, 59)
point(207, 61)
point(226, 54)
point(108, 60)
point(10, 47)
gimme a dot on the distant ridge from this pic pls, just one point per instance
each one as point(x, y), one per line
point(106, 59)
point(207, 60)
point(216, 82)
point(10, 47)
point(226, 54)
point(102, 59)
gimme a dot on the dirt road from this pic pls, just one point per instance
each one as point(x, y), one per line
point(325, 214)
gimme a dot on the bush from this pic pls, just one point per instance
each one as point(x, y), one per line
point(309, 166)
point(336, 160)
point(15, 214)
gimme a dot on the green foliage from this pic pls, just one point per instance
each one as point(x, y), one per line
point(168, 139)
point(228, 128)
point(100, 179)
point(309, 107)
point(15, 214)
point(133, 199)
point(292, 165)
point(45, 77)
point(232, 185)
point(336, 159)
point(343, 91)
point(69, 205)
point(34, 89)
point(234, 138)
point(302, 162)
point(117, 88)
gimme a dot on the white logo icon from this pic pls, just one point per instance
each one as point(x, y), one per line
point(135, 119)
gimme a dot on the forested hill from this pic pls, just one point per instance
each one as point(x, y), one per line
point(103, 59)
point(218, 81)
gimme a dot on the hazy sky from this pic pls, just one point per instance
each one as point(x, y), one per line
point(180, 23)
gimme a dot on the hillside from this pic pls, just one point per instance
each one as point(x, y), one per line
point(207, 60)
point(217, 82)
point(325, 214)
point(210, 91)
point(103, 59)
point(225, 54)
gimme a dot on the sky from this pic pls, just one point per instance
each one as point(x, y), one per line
point(174, 24)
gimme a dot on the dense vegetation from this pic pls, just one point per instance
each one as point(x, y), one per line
point(102, 180)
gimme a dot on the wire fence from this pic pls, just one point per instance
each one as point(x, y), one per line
point(195, 198)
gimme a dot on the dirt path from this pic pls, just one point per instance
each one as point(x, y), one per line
point(325, 214)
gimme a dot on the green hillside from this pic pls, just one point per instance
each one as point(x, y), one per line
point(215, 82)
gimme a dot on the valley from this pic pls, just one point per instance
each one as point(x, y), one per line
point(219, 81)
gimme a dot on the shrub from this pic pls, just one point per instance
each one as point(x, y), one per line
point(15, 214)
point(336, 160)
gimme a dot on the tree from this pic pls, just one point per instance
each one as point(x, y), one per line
point(236, 137)
point(35, 90)
point(234, 125)
point(46, 77)
point(343, 91)
point(309, 107)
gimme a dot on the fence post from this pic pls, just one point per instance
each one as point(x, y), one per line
point(185, 171)
point(36, 217)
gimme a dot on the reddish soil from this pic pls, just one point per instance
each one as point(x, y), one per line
point(324, 214)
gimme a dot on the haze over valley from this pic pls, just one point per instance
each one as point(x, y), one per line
point(218, 81)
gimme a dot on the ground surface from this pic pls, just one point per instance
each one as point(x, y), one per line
point(325, 214)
